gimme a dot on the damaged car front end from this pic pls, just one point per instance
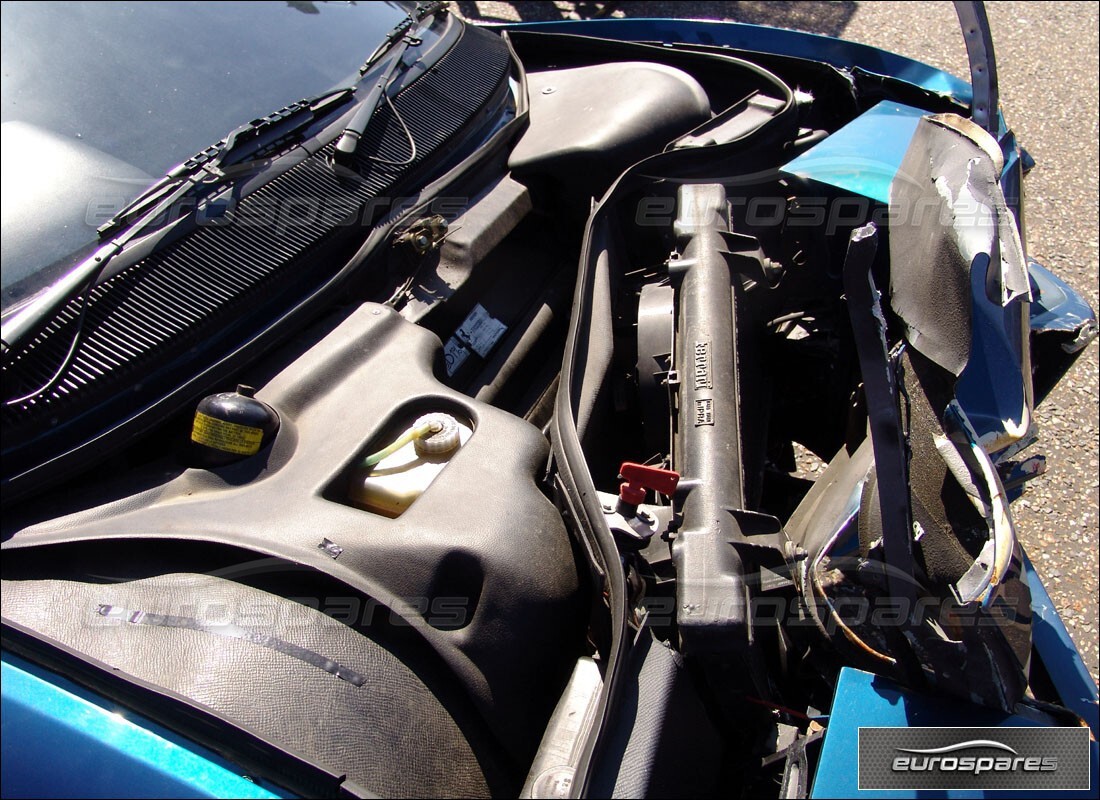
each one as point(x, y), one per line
point(531, 329)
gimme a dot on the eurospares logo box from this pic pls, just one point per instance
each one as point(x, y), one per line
point(1023, 759)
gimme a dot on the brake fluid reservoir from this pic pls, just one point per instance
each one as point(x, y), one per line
point(406, 467)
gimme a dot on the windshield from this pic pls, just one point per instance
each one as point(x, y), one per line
point(101, 99)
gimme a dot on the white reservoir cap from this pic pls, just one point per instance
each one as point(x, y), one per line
point(443, 440)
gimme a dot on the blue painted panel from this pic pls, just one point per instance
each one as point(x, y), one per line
point(862, 157)
point(58, 744)
point(866, 700)
point(1063, 663)
point(1055, 306)
point(991, 388)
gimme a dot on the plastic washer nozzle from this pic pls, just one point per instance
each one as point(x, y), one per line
point(444, 437)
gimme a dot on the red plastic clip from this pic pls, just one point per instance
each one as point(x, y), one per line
point(638, 477)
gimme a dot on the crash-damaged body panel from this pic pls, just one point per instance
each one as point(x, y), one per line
point(949, 532)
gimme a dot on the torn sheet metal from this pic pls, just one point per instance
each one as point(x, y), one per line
point(1058, 308)
point(951, 171)
point(984, 191)
point(995, 387)
point(1062, 326)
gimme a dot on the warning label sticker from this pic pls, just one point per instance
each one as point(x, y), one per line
point(704, 411)
point(480, 332)
point(454, 355)
point(229, 437)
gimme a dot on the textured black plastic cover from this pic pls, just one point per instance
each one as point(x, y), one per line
point(661, 742)
point(390, 734)
point(480, 566)
point(629, 110)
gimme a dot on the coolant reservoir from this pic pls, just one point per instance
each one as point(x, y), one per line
point(394, 483)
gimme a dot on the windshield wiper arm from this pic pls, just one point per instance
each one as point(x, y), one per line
point(400, 39)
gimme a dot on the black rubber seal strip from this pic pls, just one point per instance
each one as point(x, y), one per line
point(887, 439)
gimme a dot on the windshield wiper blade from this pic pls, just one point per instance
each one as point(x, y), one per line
point(275, 127)
point(81, 280)
point(213, 162)
point(392, 49)
point(206, 169)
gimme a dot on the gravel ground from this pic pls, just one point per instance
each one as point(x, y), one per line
point(1047, 58)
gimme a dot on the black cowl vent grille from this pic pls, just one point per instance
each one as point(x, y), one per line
point(170, 302)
